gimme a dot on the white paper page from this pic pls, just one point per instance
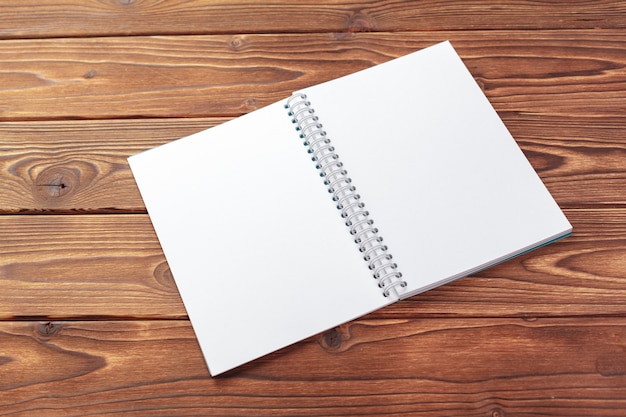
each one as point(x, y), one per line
point(257, 249)
point(446, 184)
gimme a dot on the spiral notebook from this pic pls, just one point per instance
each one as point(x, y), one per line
point(339, 200)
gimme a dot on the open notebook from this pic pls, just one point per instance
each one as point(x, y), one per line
point(339, 200)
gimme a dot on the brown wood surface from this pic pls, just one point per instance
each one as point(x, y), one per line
point(79, 18)
point(91, 322)
point(478, 367)
point(564, 73)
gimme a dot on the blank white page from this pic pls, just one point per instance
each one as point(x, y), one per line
point(444, 181)
point(257, 248)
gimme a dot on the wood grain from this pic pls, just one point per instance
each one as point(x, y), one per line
point(81, 166)
point(91, 322)
point(566, 73)
point(580, 159)
point(81, 18)
point(470, 367)
point(111, 266)
point(84, 266)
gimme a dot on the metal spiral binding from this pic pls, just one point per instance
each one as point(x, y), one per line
point(339, 184)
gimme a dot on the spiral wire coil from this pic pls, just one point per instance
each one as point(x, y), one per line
point(344, 194)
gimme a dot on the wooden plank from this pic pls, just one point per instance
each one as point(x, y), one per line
point(443, 367)
point(81, 166)
point(80, 18)
point(111, 266)
point(84, 266)
point(566, 73)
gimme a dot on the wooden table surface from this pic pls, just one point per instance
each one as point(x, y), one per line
point(91, 322)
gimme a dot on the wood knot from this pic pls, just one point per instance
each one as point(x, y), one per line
point(56, 182)
point(528, 318)
point(361, 22)
point(335, 340)
point(90, 74)
point(48, 329)
point(496, 412)
point(237, 42)
point(332, 339)
point(250, 103)
point(163, 276)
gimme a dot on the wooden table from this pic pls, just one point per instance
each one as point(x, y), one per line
point(91, 322)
